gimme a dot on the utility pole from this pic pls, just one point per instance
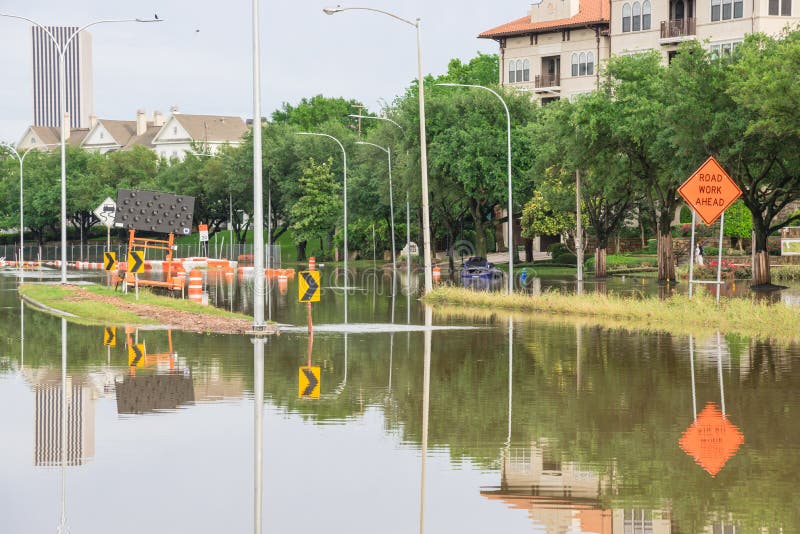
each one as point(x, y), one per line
point(360, 108)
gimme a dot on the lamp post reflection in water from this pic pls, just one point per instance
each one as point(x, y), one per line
point(426, 397)
point(258, 431)
point(62, 525)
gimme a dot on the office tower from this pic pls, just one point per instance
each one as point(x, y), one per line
point(78, 63)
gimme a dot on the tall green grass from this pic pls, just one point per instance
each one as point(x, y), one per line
point(676, 314)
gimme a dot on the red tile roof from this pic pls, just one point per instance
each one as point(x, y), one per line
point(589, 12)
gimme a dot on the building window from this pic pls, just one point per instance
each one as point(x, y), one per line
point(626, 17)
point(785, 7)
point(646, 15)
point(526, 71)
point(519, 70)
point(174, 130)
point(723, 49)
point(33, 140)
point(731, 9)
point(511, 72)
point(583, 64)
point(637, 16)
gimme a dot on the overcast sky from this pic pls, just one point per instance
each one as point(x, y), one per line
point(304, 52)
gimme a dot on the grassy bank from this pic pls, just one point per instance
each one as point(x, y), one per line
point(96, 312)
point(677, 314)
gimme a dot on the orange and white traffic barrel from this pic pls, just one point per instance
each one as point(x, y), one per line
point(312, 263)
point(195, 285)
point(437, 273)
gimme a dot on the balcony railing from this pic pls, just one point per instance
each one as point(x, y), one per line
point(677, 28)
point(547, 80)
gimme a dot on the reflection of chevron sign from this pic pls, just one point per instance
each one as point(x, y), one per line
point(136, 261)
point(136, 354)
point(308, 286)
point(110, 336)
point(308, 384)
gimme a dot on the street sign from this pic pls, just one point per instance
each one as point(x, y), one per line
point(790, 247)
point(711, 440)
point(308, 287)
point(110, 336)
point(106, 212)
point(203, 229)
point(110, 260)
point(308, 383)
point(136, 354)
point(710, 191)
point(136, 261)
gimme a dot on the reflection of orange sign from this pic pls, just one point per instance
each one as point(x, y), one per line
point(711, 440)
point(710, 190)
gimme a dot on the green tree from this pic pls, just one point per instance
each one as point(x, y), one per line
point(319, 207)
point(738, 222)
point(312, 112)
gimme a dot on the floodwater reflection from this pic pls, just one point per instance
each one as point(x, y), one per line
point(506, 424)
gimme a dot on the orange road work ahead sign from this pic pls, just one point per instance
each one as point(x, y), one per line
point(710, 191)
point(711, 440)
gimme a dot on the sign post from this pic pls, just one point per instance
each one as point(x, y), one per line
point(136, 266)
point(106, 212)
point(308, 291)
point(709, 192)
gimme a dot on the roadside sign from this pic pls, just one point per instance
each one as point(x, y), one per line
point(110, 336)
point(136, 261)
point(308, 383)
point(308, 287)
point(136, 354)
point(710, 191)
point(106, 212)
point(203, 229)
point(711, 440)
point(790, 247)
point(109, 261)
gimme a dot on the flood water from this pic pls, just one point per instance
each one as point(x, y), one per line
point(478, 422)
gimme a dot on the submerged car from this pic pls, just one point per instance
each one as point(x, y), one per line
point(478, 272)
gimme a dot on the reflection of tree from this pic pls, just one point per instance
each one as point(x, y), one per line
point(634, 403)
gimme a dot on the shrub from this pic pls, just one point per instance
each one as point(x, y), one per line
point(556, 249)
point(566, 258)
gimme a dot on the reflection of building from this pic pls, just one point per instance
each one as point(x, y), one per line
point(564, 497)
point(148, 393)
point(47, 422)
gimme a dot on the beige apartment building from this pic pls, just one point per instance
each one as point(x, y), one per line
point(554, 51)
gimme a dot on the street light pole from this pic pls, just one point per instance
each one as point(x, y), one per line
point(62, 91)
point(426, 219)
point(388, 152)
point(21, 159)
point(510, 205)
point(258, 200)
point(346, 252)
point(408, 223)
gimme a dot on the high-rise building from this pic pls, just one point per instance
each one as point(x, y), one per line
point(78, 62)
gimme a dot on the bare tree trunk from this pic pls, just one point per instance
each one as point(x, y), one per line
point(528, 250)
point(761, 273)
point(600, 263)
point(666, 257)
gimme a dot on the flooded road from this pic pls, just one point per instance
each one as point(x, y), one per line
point(485, 423)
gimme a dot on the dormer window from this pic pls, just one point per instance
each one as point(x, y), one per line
point(174, 130)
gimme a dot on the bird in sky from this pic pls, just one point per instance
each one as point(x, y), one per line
point(155, 15)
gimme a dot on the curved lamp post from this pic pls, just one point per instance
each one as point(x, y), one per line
point(423, 148)
point(61, 49)
point(21, 159)
point(388, 152)
point(346, 252)
point(510, 206)
point(408, 221)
